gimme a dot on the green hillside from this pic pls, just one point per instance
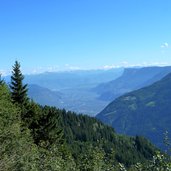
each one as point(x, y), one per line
point(82, 136)
point(145, 112)
point(36, 138)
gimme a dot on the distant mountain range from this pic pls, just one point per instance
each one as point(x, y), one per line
point(131, 79)
point(73, 79)
point(44, 96)
point(145, 112)
point(91, 91)
point(70, 90)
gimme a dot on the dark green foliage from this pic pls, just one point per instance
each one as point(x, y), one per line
point(55, 140)
point(48, 130)
point(1, 80)
point(80, 131)
point(61, 140)
point(18, 90)
point(17, 150)
point(145, 112)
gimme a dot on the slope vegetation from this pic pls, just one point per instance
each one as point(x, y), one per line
point(145, 112)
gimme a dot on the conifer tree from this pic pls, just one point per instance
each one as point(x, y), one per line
point(18, 90)
point(1, 80)
point(49, 130)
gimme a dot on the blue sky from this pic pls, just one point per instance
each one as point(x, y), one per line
point(72, 34)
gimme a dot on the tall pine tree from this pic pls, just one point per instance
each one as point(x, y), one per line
point(1, 80)
point(18, 90)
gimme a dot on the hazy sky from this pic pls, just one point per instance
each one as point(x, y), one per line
point(72, 34)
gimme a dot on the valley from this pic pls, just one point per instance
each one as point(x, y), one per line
point(89, 92)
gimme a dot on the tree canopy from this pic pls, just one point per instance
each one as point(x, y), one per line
point(57, 140)
point(18, 89)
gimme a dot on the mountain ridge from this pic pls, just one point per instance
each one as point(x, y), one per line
point(146, 111)
point(131, 79)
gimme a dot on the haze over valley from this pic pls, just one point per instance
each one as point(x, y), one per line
point(85, 85)
point(89, 92)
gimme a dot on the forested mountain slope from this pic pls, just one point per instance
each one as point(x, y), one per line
point(145, 112)
point(72, 138)
point(36, 138)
